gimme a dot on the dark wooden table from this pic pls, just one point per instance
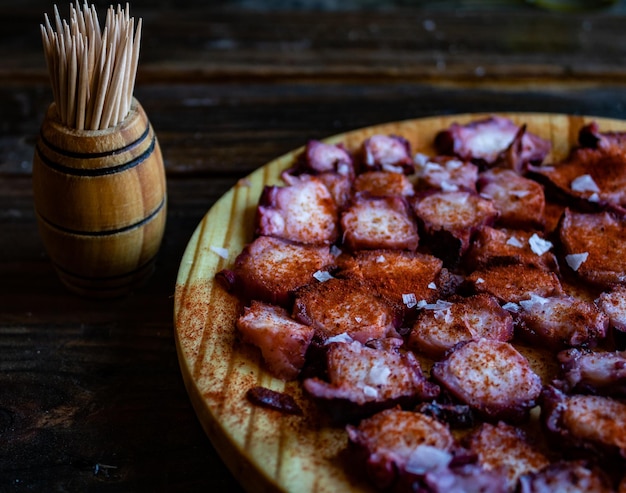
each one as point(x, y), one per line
point(91, 396)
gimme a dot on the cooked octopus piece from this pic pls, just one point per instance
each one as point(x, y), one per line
point(379, 222)
point(566, 477)
point(304, 211)
point(408, 452)
point(484, 141)
point(588, 422)
point(339, 306)
point(595, 258)
point(364, 375)
point(270, 269)
point(320, 157)
point(591, 136)
point(490, 376)
point(520, 202)
point(439, 329)
point(505, 448)
point(283, 341)
point(402, 278)
point(396, 441)
point(561, 321)
point(597, 372)
point(613, 303)
point(383, 184)
point(339, 186)
point(450, 218)
point(491, 246)
point(445, 173)
point(272, 399)
point(514, 283)
point(387, 153)
point(589, 176)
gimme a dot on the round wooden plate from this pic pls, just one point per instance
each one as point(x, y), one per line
point(264, 449)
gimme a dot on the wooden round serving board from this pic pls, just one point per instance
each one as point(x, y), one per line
point(267, 450)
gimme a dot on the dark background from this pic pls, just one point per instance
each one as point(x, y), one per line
point(91, 396)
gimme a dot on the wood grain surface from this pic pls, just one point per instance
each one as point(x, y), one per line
point(267, 450)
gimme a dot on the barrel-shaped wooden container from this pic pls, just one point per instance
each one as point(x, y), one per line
point(100, 198)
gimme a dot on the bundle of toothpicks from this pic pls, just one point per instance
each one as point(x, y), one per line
point(92, 70)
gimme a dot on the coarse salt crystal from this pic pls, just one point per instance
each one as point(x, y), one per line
point(575, 260)
point(454, 164)
point(322, 276)
point(409, 300)
point(335, 251)
point(432, 285)
point(444, 315)
point(343, 337)
point(532, 301)
point(379, 374)
point(594, 197)
point(449, 187)
point(426, 458)
point(584, 183)
point(439, 305)
point(370, 391)
point(519, 193)
point(421, 159)
point(513, 241)
point(480, 280)
point(358, 320)
point(221, 251)
point(511, 307)
point(539, 245)
point(430, 167)
point(381, 259)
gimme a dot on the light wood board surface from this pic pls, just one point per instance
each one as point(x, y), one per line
point(267, 450)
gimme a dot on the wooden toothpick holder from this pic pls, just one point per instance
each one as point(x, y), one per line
point(100, 198)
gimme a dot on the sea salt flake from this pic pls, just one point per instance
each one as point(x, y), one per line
point(335, 251)
point(480, 280)
point(379, 374)
point(432, 285)
point(519, 193)
point(454, 164)
point(421, 159)
point(513, 241)
point(343, 337)
point(381, 259)
point(594, 197)
point(449, 187)
point(444, 315)
point(425, 458)
point(370, 391)
point(429, 167)
point(409, 300)
point(322, 276)
point(511, 307)
point(584, 183)
point(575, 260)
point(221, 251)
point(532, 301)
point(539, 245)
point(439, 305)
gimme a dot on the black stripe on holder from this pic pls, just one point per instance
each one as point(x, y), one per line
point(107, 232)
point(97, 171)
